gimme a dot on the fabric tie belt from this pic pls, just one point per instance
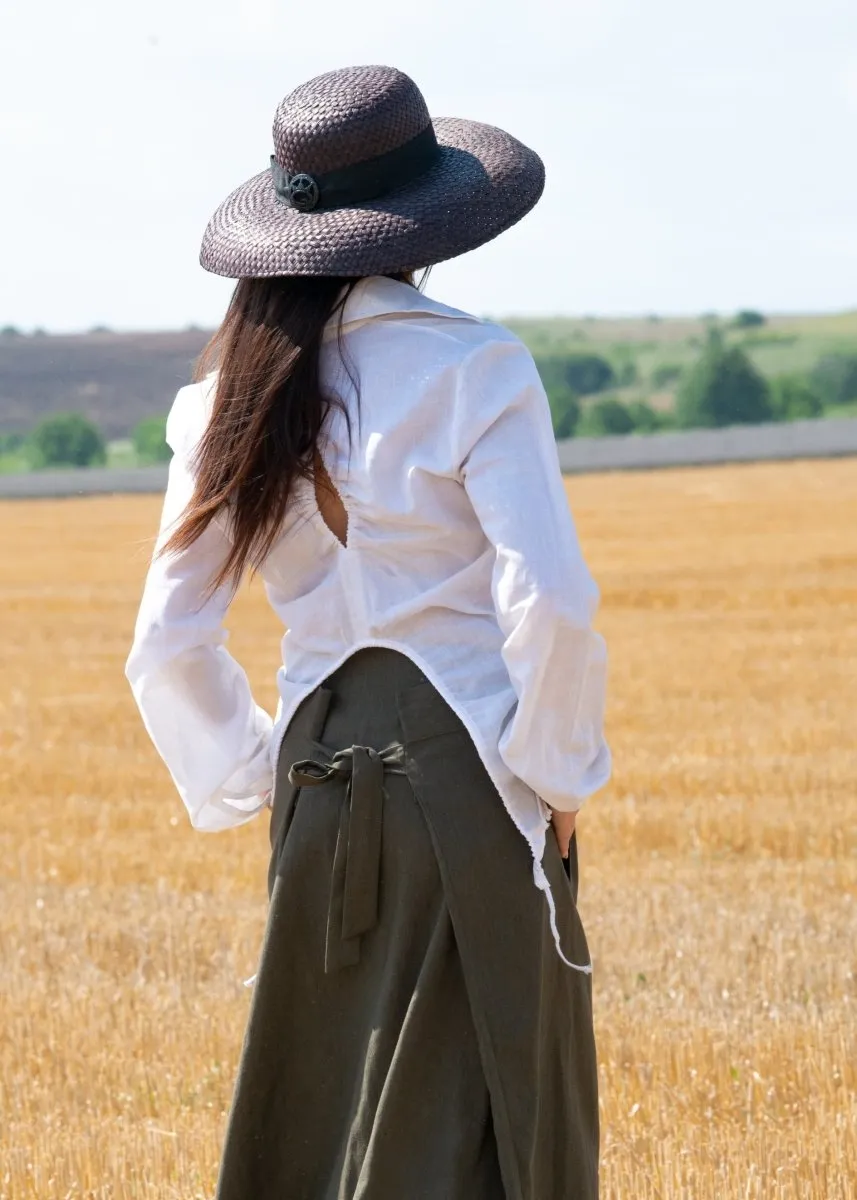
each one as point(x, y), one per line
point(354, 885)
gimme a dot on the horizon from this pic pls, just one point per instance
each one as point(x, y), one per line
point(504, 318)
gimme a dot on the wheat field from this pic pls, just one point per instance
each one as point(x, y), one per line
point(719, 868)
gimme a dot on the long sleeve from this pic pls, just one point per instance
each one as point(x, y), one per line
point(193, 696)
point(544, 595)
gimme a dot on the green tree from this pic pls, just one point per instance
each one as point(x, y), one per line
point(10, 442)
point(606, 418)
point(723, 388)
point(748, 318)
point(68, 440)
point(587, 374)
point(150, 442)
point(646, 419)
point(564, 405)
point(565, 411)
point(834, 378)
point(582, 374)
point(794, 398)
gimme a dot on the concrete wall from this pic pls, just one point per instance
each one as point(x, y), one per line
point(92, 482)
point(797, 439)
point(695, 447)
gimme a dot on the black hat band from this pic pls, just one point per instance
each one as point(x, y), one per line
point(362, 181)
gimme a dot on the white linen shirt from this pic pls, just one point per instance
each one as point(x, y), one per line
point(461, 552)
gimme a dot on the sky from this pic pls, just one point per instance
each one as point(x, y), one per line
point(700, 156)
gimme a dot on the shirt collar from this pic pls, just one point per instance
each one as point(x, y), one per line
point(378, 296)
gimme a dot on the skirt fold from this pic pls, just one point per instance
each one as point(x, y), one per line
point(447, 1052)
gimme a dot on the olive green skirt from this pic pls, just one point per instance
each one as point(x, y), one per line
point(413, 1033)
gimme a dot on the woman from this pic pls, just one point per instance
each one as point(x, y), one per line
point(421, 1024)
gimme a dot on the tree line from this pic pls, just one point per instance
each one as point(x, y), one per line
point(722, 388)
point(72, 440)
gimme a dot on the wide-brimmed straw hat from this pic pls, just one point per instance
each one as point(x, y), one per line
point(363, 182)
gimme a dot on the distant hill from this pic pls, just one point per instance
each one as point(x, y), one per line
point(118, 378)
point(115, 379)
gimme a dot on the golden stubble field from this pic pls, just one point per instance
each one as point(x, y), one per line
point(719, 868)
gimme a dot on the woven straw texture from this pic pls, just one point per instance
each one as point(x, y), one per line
point(482, 182)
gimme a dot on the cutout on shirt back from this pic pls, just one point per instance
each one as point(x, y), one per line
point(330, 506)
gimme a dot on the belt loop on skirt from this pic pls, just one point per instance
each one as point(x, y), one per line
point(355, 879)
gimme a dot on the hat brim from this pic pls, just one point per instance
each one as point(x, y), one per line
point(482, 182)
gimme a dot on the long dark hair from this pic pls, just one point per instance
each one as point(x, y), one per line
point(268, 413)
